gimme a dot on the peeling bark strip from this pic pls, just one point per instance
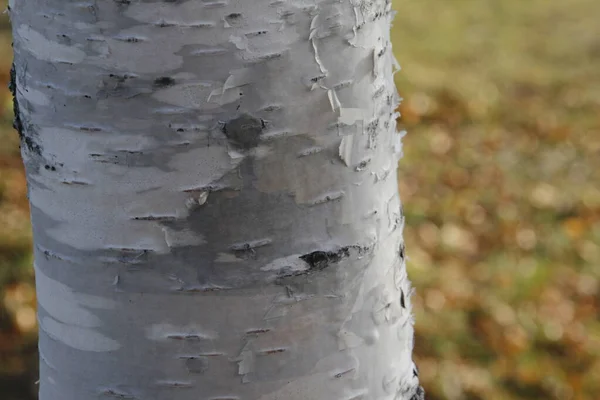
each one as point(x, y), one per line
point(12, 86)
point(214, 199)
point(26, 139)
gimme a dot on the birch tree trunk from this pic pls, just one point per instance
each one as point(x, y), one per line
point(214, 199)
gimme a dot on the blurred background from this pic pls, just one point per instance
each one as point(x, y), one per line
point(501, 189)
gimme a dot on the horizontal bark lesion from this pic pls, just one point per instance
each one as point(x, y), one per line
point(250, 245)
point(258, 331)
point(164, 81)
point(344, 373)
point(117, 394)
point(271, 351)
point(320, 260)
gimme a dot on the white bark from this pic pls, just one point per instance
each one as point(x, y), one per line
point(214, 199)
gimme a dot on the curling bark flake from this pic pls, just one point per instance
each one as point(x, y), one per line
point(214, 199)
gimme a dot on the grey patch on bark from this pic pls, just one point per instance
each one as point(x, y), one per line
point(197, 365)
point(244, 131)
point(120, 85)
point(372, 130)
point(128, 158)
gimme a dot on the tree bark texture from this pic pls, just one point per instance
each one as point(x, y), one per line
point(214, 199)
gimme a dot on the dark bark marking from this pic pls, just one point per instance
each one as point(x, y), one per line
point(130, 39)
point(257, 33)
point(164, 81)
point(244, 131)
point(185, 336)
point(264, 58)
point(402, 301)
point(419, 395)
point(234, 19)
point(164, 24)
point(247, 246)
point(319, 260)
point(121, 77)
point(372, 132)
point(74, 183)
point(175, 384)
point(131, 256)
point(340, 374)
point(90, 129)
point(156, 218)
point(198, 289)
point(224, 398)
point(362, 165)
point(116, 394)
point(272, 351)
point(257, 331)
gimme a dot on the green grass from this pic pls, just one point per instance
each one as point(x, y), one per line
point(501, 189)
